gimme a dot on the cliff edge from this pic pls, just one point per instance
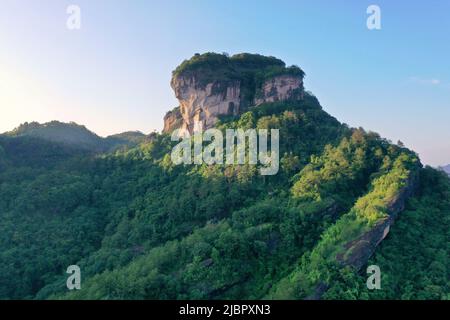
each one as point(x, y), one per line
point(211, 85)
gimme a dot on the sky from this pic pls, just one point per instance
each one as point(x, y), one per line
point(113, 74)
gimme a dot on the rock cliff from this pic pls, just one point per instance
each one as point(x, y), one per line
point(172, 120)
point(212, 85)
point(203, 104)
point(358, 251)
point(280, 88)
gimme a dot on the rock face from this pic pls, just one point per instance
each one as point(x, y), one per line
point(285, 87)
point(361, 249)
point(211, 85)
point(358, 251)
point(203, 104)
point(172, 120)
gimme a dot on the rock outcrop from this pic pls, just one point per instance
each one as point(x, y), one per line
point(280, 88)
point(173, 120)
point(358, 251)
point(204, 104)
point(211, 85)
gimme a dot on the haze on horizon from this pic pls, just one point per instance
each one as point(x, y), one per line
point(113, 75)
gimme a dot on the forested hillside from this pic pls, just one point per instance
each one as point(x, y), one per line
point(76, 136)
point(140, 227)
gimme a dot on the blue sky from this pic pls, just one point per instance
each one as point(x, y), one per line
point(113, 75)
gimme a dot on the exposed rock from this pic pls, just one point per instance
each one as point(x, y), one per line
point(173, 120)
point(211, 85)
point(358, 251)
point(203, 104)
point(280, 88)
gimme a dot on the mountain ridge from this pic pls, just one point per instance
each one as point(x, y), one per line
point(75, 135)
point(141, 227)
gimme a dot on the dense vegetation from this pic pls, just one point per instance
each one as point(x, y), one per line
point(141, 228)
point(414, 259)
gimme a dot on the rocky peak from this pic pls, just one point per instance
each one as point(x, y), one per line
point(210, 85)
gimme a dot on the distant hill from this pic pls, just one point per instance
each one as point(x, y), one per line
point(129, 138)
point(76, 135)
point(446, 169)
point(31, 152)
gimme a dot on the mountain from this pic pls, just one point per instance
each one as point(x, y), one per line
point(446, 169)
point(212, 85)
point(128, 139)
point(140, 226)
point(74, 135)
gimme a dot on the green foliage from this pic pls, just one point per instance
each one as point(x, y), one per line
point(142, 228)
point(317, 266)
point(414, 258)
point(231, 66)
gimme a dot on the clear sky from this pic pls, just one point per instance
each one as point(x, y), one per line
point(113, 75)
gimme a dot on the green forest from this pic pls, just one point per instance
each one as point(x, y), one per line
point(140, 227)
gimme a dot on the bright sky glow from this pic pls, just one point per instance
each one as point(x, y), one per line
point(113, 75)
